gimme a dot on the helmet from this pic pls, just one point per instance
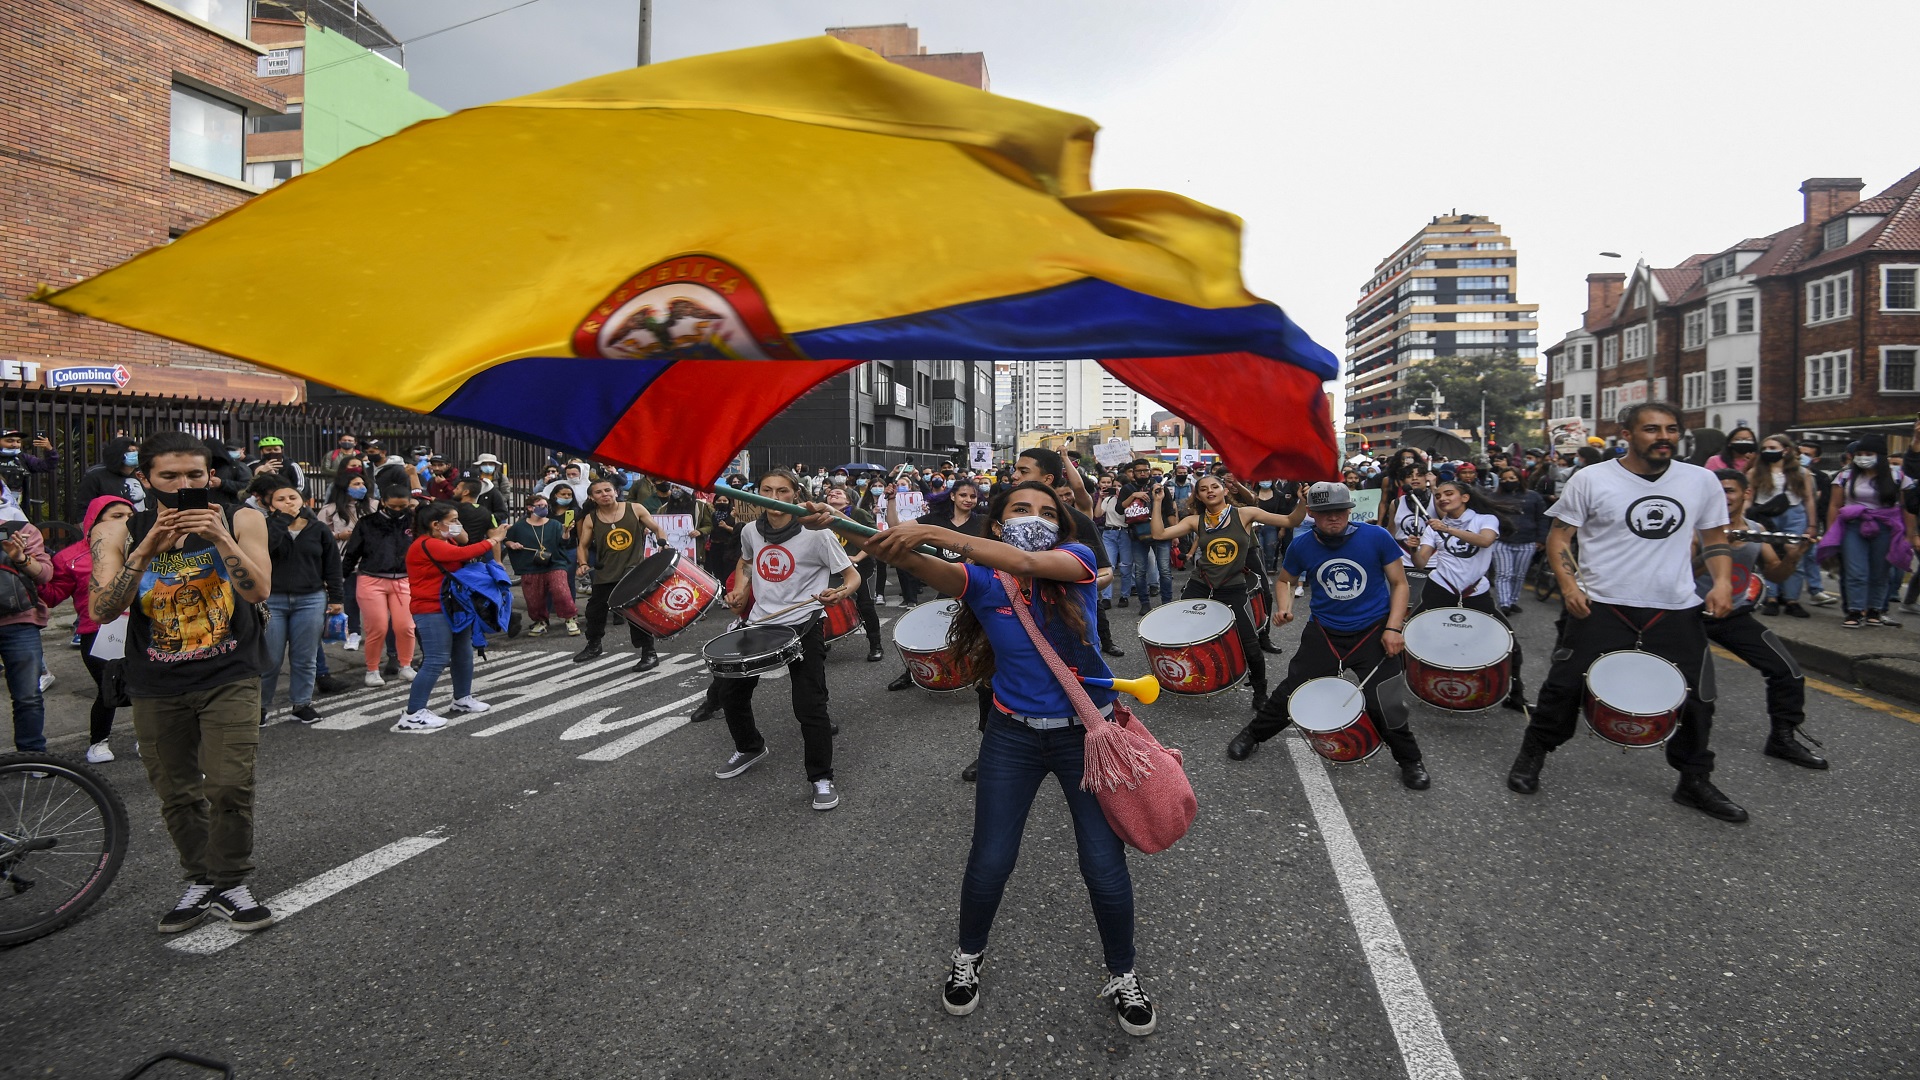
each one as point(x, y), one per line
point(271, 440)
point(1327, 495)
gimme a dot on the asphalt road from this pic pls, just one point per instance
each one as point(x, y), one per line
point(565, 889)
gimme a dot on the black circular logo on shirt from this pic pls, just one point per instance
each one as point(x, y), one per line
point(1458, 548)
point(1655, 517)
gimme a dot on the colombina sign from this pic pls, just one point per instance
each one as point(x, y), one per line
point(115, 375)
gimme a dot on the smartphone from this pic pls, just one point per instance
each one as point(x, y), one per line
point(192, 499)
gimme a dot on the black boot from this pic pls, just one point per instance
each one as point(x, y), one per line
point(1267, 645)
point(901, 682)
point(1111, 649)
point(647, 662)
point(1259, 697)
point(1783, 745)
point(1242, 745)
point(972, 772)
point(593, 651)
point(1414, 775)
point(1697, 791)
point(1524, 777)
point(874, 655)
point(704, 711)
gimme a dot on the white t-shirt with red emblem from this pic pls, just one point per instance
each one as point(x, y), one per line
point(784, 574)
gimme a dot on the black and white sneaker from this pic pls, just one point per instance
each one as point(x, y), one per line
point(189, 911)
point(739, 763)
point(1130, 1004)
point(962, 990)
point(237, 906)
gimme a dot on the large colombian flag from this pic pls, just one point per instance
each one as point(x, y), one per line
point(645, 267)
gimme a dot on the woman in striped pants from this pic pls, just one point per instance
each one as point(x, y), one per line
point(1512, 554)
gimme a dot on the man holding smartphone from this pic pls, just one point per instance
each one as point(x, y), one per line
point(189, 575)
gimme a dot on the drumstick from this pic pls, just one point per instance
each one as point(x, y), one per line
point(783, 611)
point(842, 523)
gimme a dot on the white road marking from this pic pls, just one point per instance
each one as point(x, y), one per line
point(1416, 1027)
point(668, 667)
point(215, 934)
point(538, 679)
point(354, 701)
point(627, 744)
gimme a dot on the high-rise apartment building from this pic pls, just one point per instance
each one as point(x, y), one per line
point(1450, 290)
point(1068, 394)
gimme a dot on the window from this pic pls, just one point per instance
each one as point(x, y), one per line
point(1420, 284)
point(863, 378)
point(1586, 406)
point(1830, 298)
point(287, 121)
point(1718, 268)
point(903, 394)
point(1693, 329)
point(1472, 264)
point(1833, 234)
point(1417, 354)
point(1610, 402)
point(1897, 291)
point(1743, 384)
point(866, 434)
point(1897, 370)
point(1830, 375)
point(268, 174)
point(1634, 339)
point(1586, 356)
point(1743, 315)
point(1717, 387)
point(1478, 316)
point(1480, 283)
point(1422, 316)
point(282, 62)
point(207, 133)
point(1609, 352)
point(1558, 366)
point(228, 15)
point(883, 386)
point(1718, 313)
point(1693, 388)
point(1480, 337)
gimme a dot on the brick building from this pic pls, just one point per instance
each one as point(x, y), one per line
point(1813, 329)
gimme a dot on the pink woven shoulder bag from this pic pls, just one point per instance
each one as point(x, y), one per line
point(1141, 785)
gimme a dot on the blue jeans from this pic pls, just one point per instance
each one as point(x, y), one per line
point(1269, 538)
point(439, 646)
point(297, 621)
point(1863, 569)
point(1120, 555)
point(1146, 555)
point(1014, 759)
point(1793, 521)
point(20, 655)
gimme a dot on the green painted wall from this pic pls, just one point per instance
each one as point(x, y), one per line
point(353, 97)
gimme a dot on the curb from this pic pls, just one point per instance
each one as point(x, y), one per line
point(1892, 674)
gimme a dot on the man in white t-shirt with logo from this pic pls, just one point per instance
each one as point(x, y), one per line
point(1632, 587)
point(783, 566)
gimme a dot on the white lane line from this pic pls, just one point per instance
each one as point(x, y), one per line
point(628, 743)
point(575, 701)
point(214, 934)
point(1416, 1027)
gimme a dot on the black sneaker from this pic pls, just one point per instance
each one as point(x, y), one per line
point(962, 990)
point(327, 684)
point(238, 907)
point(901, 681)
point(189, 911)
point(1130, 1004)
point(306, 714)
point(1120, 603)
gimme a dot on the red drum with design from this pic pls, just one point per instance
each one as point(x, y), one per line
point(921, 637)
point(1332, 714)
point(1193, 647)
point(1257, 602)
point(843, 618)
point(1634, 698)
point(665, 594)
point(1457, 659)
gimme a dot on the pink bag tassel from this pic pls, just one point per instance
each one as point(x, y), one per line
point(1113, 759)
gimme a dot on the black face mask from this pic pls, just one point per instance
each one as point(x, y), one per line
point(1509, 486)
point(1772, 455)
point(1741, 447)
point(392, 513)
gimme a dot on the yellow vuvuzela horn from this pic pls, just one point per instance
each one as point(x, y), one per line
point(1145, 688)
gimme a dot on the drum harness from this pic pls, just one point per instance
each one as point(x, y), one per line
point(1341, 658)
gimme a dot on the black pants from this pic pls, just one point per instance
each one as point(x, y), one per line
point(1385, 688)
point(1235, 597)
point(598, 605)
point(100, 718)
point(1679, 637)
point(1742, 635)
point(809, 677)
point(909, 587)
point(863, 599)
point(1436, 595)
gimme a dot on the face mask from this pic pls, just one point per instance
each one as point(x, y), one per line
point(1029, 533)
point(1865, 461)
point(10, 451)
point(1806, 461)
point(488, 469)
point(1742, 447)
point(562, 502)
point(1265, 484)
point(394, 514)
point(536, 511)
point(456, 534)
point(860, 483)
point(1772, 455)
point(357, 491)
point(346, 446)
point(131, 458)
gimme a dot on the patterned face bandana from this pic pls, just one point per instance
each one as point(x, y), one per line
point(1029, 533)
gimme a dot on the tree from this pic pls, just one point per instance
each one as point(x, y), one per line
point(1510, 383)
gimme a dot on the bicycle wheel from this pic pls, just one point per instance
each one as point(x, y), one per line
point(63, 834)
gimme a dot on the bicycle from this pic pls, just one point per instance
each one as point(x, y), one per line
point(1541, 578)
point(63, 835)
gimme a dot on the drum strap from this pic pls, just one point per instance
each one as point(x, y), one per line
point(1340, 657)
point(1639, 632)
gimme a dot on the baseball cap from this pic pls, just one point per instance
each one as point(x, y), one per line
point(1327, 495)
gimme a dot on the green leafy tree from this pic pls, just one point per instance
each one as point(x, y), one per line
point(1510, 383)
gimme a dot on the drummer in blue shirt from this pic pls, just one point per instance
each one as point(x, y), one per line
point(1359, 614)
point(1033, 731)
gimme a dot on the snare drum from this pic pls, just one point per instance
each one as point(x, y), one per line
point(751, 651)
point(1257, 603)
point(665, 594)
point(921, 637)
point(1193, 647)
point(1634, 698)
point(1457, 659)
point(843, 618)
point(1332, 713)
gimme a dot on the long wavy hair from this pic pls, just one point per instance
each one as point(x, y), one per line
point(1479, 502)
point(1794, 478)
point(969, 639)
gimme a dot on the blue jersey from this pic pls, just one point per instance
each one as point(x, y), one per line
point(1350, 590)
point(1022, 681)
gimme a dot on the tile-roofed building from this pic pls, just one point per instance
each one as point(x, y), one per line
point(1814, 328)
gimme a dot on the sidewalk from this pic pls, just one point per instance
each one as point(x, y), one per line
point(1884, 659)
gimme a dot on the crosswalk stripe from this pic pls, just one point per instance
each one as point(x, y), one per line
point(628, 743)
point(667, 669)
point(381, 711)
point(353, 699)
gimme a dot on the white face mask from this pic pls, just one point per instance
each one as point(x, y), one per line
point(1865, 461)
point(456, 533)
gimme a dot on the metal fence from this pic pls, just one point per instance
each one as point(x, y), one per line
point(80, 425)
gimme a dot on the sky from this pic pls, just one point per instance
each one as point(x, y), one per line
point(1336, 130)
